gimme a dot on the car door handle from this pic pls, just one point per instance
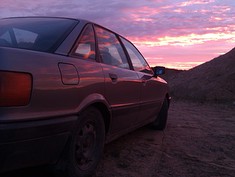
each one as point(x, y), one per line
point(113, 77)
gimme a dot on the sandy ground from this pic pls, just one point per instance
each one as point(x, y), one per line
point(199, 141)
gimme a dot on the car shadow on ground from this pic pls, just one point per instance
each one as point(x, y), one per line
point(113, 151)
point(30, 172)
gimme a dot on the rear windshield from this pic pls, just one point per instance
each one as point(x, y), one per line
point(40, 34)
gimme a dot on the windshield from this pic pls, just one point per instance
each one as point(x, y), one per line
point(40, 34)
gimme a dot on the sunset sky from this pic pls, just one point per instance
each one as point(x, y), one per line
point(173, 33)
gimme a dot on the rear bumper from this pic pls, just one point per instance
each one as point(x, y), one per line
point(30, 143)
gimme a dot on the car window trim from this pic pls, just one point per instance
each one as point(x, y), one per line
point(126, 52)
point(63, 37)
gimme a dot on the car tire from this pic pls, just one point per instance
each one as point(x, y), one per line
point(161, 119)
point(85, 149)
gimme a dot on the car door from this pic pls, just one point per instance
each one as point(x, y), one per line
point(150, 87)
point(122, 86)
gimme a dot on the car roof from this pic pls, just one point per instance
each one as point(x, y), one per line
point(46, 17)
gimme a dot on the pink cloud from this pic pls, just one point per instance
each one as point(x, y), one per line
point(174, 31)
point(185, 57)
point(196, 2)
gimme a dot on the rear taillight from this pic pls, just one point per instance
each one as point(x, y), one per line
point(15, 88)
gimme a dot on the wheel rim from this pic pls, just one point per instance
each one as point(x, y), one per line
point(85, 146)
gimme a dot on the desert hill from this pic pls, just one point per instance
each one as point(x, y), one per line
point(211, 81)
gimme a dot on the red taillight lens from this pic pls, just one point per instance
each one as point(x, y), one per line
point(15, 88)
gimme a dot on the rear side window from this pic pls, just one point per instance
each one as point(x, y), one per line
point(40, 34)
point(111, 51)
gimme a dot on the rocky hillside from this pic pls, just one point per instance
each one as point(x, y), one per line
point(211, 81)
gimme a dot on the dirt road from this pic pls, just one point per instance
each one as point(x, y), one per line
point(199, 141)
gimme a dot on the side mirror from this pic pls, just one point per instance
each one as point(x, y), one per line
point(158, 70)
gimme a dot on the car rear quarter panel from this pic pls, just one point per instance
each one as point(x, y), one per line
point(43, 126)
point(50, 96)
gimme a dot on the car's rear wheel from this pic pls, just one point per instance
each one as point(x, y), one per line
point(161, 119)
point(86, 147)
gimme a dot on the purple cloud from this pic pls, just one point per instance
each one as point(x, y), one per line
point(152, 24)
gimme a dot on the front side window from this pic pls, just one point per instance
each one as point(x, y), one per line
point(111, 51)
point(86, 44)
point(138, 61)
